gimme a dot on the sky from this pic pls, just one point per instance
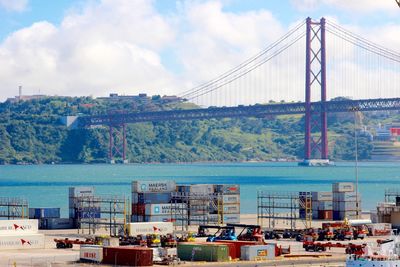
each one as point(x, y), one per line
point(165, 47)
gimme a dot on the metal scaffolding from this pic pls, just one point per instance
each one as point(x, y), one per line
point(96, 212)
point(289, 207)
point(196, 209)
point(391, 194)
point(14, 208)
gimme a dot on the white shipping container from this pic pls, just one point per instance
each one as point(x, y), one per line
point(345, 196)
point(22, 241)
point(321, 196)
point(230, 199)
point(202, 188)
point(343, 187)
point(146, 228)
point(258, 252)
point(18, 227)
point(231, 218)
point(153, 186)
point(162, 209)
point(91, 253)
point(81, 191)
point(231, 208)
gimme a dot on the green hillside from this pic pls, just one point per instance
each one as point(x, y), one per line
point(31, 132)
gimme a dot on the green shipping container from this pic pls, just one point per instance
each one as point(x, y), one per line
point(203, 252)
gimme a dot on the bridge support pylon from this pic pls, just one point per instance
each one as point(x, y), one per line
point(117, 143)
point(316, 126)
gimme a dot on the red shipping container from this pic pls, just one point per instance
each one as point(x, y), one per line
point(138, 209)
point(325, 214)
point(238, 245)
point(128, 256)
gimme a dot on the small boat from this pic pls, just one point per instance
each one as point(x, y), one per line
point(385, 254)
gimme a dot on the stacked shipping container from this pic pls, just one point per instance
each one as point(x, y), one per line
point(346, 202)
point(322, 205)
point(230, 206)
point(20, 234)
point(76, 211)
point(151, 201)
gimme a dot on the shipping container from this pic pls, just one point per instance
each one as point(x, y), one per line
point(257, 253)
point(343, 187)
point(19, 227)
point(239, 244)
point(325, 215)
point(211, 252)
point(159, 218)
point(321, 196)
point(231, 218)
point(322, 205)
point(165, 209)
point(232, 250)
point(153, 186)
point(151, 198)
point(56, 223)
point(128, 256)
point(145, 228)
point(21, 241)
point(38, 213)
point(202, 189)
point(91, 253)
point(231, 208)
point(138, 209)
point(230, 199)
point(341, 215)
point(81, 191)
point(345, 196)
point(227, 188)
point(346, 206)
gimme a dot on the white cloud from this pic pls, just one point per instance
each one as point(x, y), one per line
point(14, 5)
point(120, 46)
point(357, 6)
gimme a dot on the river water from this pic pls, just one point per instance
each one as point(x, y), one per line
point(47, 185)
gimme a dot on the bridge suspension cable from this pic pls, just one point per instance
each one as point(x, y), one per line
point(362, 42)
point(249, 65)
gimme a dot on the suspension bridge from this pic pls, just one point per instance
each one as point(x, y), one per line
point(360, 75)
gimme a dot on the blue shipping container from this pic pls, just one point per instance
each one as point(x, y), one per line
point(39, 213)
point(151, 198)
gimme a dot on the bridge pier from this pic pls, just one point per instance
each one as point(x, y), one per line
point(315, 146)
point(117, 143)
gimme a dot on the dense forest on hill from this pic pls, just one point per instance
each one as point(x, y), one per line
point(31, 132)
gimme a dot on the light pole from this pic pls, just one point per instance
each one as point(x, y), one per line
point(355, 110)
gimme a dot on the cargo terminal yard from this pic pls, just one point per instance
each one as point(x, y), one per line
point(201, 224)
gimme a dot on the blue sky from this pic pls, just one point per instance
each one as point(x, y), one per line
point(71, 48)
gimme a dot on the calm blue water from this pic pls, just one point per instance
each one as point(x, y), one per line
point(47, 185)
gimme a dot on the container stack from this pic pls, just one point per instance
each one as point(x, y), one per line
point(78, 210)
point(346, 202)
point(305, 210)
point(229, 209)
point(151, 201)
point(49, 218)
point(322, 205)
point(199, 210)
point(20, 234)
